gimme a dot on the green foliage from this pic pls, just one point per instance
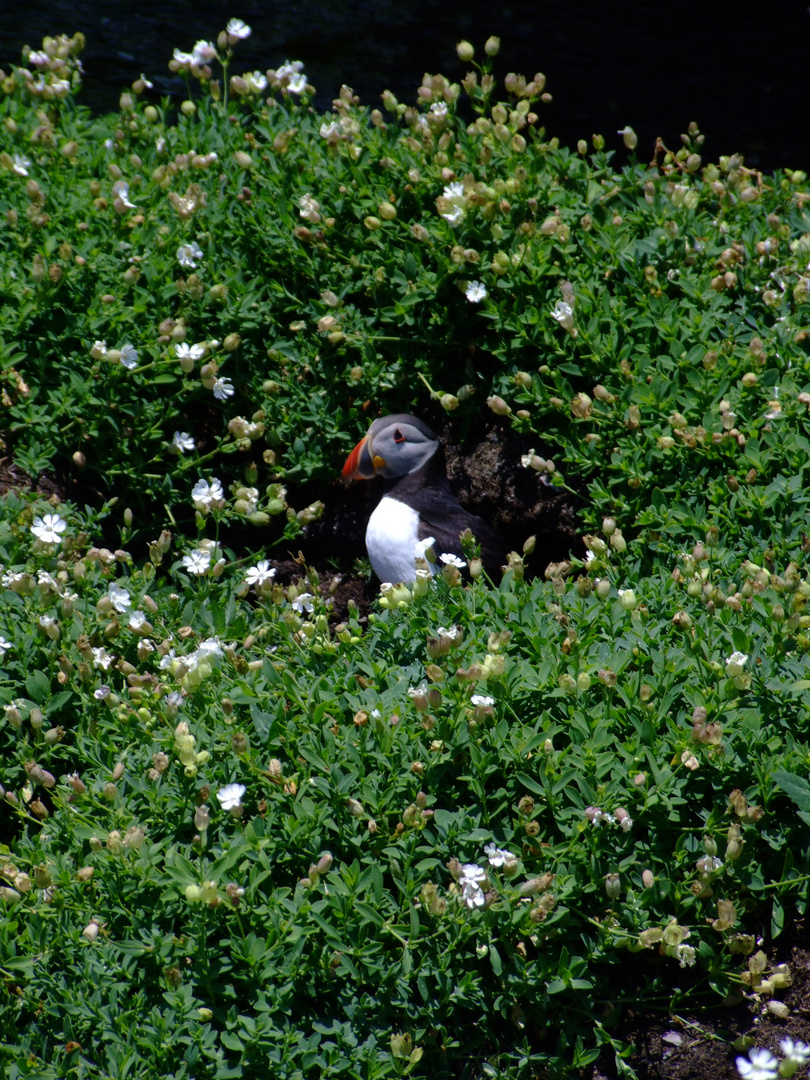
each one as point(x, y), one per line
point(455, 840)
point(334, 255)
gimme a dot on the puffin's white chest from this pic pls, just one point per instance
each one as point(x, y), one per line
point(391, 539)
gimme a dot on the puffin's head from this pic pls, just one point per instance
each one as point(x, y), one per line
point(394, 446)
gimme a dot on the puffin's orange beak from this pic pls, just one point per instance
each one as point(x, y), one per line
point(360, 465)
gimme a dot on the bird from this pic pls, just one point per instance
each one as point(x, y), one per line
point(418, 505)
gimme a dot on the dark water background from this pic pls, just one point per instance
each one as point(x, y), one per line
point(740, 70)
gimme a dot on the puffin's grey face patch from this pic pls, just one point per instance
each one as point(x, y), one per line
point(402, 445)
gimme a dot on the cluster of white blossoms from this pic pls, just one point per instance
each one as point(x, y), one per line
point(597, 816)
point(291, 77)
point(126, 356)
point(473, 880)
point(761, 1064)
point(452, 203)
point(203, 50)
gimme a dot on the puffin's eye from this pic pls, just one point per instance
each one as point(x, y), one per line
point(398, 436)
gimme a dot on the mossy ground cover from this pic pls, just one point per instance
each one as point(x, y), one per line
point(464, 836)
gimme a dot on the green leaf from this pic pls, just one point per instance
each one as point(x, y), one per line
point(777, 918)
point(38, 686)
point(794, 786)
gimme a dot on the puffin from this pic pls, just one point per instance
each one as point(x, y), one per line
point(418, 505)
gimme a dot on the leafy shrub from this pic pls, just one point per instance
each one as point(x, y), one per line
point(460, 838)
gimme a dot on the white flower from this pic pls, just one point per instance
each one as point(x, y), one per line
point(120, 190)
point(46, 620)
point(136, 620)
point(238, 29)
point(329, 131)
point(709, 864)
point(149, 85)
point(119, 597)
point(211, 646)
point(452, 560)
point(48, 528)
point(303, 603)
point(290, 67)
point(470, 881)
point(183, 58)
point(4, 646)
point(255, 81)
point(475, 292)
point(20, 166)
point(129, 357)
point(796, 1052)
point(189, 352)
point(223, 389)
point(760, 1065)
point(735, 664)
point(207, 493)
point(99, 350)
point(497, 856)
point(197, 562)
point(202, 51)
point(231, 796)
point(484, 702)
point(439, 109)
point(453, 215)
point(454, 191)
point(290, 75)
point(183, 441)
point(38, 59)
point(207, 649)
point(189, 254)
point(564, 314)
point(102, 693)
point(261, 572)
point(422, 547)
point(308, 209)
point(102, 659)
point(167, 660)
point(686, 956)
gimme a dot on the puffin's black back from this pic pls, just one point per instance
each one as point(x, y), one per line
point(442, 516)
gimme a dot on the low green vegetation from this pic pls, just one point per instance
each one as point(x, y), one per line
point(462, 837)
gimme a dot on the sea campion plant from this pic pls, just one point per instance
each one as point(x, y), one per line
point(243, 836)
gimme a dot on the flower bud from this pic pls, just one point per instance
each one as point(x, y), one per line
point(498, 406)
point(612, 886)
point(492, 45)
